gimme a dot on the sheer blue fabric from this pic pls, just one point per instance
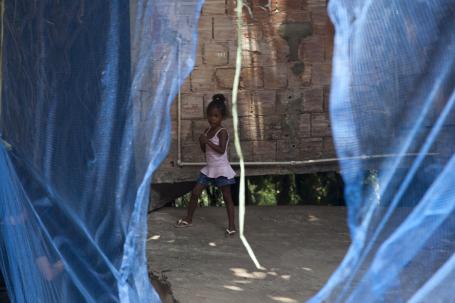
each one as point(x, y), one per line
point(86, 91)
point(393, 120)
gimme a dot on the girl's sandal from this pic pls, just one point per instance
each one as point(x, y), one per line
point(230, 232)
point(182, 223)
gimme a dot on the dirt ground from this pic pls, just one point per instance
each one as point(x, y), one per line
point(300, 246)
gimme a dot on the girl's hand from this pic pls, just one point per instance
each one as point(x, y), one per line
point(203, 139)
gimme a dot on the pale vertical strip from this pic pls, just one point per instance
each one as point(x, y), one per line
point(238, 148)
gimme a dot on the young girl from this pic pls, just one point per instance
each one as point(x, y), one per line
point(218, 171)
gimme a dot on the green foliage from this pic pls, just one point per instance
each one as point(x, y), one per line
point(262, 190)
point(317, 188)
point(210, 197)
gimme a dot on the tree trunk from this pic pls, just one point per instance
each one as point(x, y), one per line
point(212, 194)
point(284, 187)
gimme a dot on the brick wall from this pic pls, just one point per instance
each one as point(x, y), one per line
point(284, 85)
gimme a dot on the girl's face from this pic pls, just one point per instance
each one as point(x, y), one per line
point(214, 117)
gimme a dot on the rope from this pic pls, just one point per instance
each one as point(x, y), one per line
point(238, 148)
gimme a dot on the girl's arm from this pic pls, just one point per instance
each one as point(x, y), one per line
point(202, 141)
point(202, 145)
point(220, 148)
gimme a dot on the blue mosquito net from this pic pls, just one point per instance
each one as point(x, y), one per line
point(84, 121)
point(393, 120)
point(86, 88)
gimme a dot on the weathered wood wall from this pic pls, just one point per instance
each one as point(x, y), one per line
point(284, 87)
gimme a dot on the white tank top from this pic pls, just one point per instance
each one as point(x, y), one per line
point(217, 164)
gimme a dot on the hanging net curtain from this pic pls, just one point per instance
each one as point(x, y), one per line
point(86, 91)
point(84, 121)
point(392, 99)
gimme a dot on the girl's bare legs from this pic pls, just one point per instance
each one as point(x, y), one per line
point(226, 190)
point(195, 194)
